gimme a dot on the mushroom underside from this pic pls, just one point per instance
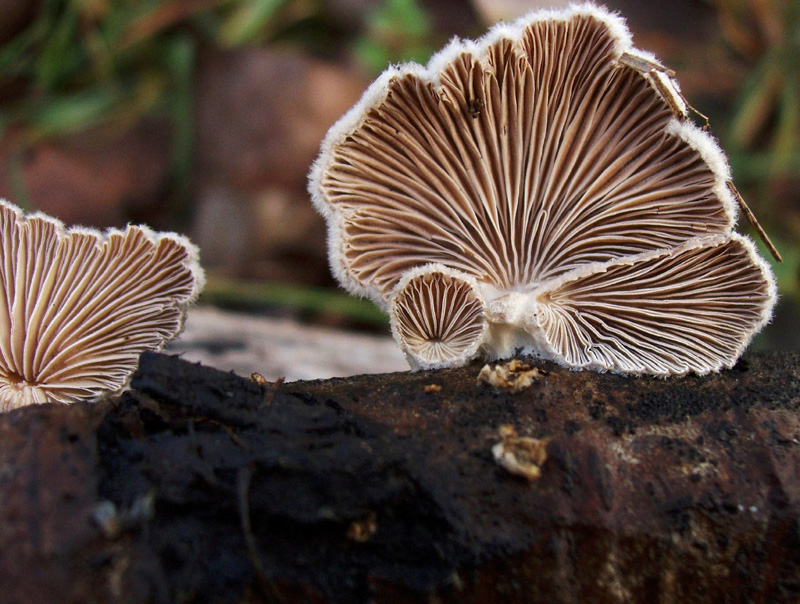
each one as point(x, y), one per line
point(517, 162)
point(550, 173)
point(77, 307)
point(690, 309)
point(438, 317)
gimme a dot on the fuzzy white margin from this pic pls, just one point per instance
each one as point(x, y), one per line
point(711, 153)
point(192, 262)
point(471, 351)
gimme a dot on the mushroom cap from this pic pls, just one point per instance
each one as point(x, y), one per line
point(668, 312)
point(516, 159)
point(78, 307)
point(438, 317)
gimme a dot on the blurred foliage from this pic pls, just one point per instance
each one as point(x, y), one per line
point(396, 31)
point(763, 138)
point(788, 271)
point(310, 302)
point(83, 64)
point(767, 114)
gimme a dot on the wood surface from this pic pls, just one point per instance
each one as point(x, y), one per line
point(202, 486)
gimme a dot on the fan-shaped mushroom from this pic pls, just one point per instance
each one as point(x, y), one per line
point(438, 317)
point(544, 152)
point(667, 312)
point(77, 308)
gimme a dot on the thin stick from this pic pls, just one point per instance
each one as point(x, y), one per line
point(271, 391)
point(669, 91)
point(751, 218)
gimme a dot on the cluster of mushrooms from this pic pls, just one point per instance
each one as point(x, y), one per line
point(542, 190)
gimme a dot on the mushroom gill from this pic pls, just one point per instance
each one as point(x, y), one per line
point(77, 308)
point(438, 317)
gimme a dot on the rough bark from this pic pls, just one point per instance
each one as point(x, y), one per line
point(372, 489)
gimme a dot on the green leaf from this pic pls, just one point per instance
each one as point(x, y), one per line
point(249, 20)
point(61, 55)
point(397, 31)
point(313, 300)
point(72, 113)
point(786, 142)
point(181, 61)
point(755, 105)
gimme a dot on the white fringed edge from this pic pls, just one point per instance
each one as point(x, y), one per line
point(192, 262)
point(714, 157)
point(193, 252)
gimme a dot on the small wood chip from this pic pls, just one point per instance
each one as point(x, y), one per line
point(520, 455)
point(271, 387)
point(259, 379)
point(361, 530)
point(113, 521)
point(515, 376)
point(432, 388)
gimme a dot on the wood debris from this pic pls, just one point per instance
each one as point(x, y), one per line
point(259, 379)
point(520, 455)
point(515, 376)
point(361, 531)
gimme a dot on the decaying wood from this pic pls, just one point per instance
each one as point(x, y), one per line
point(202, 486)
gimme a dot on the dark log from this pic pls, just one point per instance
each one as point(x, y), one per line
point(202, 486)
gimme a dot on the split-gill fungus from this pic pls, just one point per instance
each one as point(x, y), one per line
point(438, 316)
point(78, 307)
point(577, 204)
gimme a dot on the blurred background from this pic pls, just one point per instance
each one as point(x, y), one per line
point(203, 117)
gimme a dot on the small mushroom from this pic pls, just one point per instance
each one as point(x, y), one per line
point(77, 307)
point(549, 152)
point(438, 317)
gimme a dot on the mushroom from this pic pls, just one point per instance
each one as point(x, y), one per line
point(438, 317)
point(77, 307)
point(549, 152)
point(667, 312)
